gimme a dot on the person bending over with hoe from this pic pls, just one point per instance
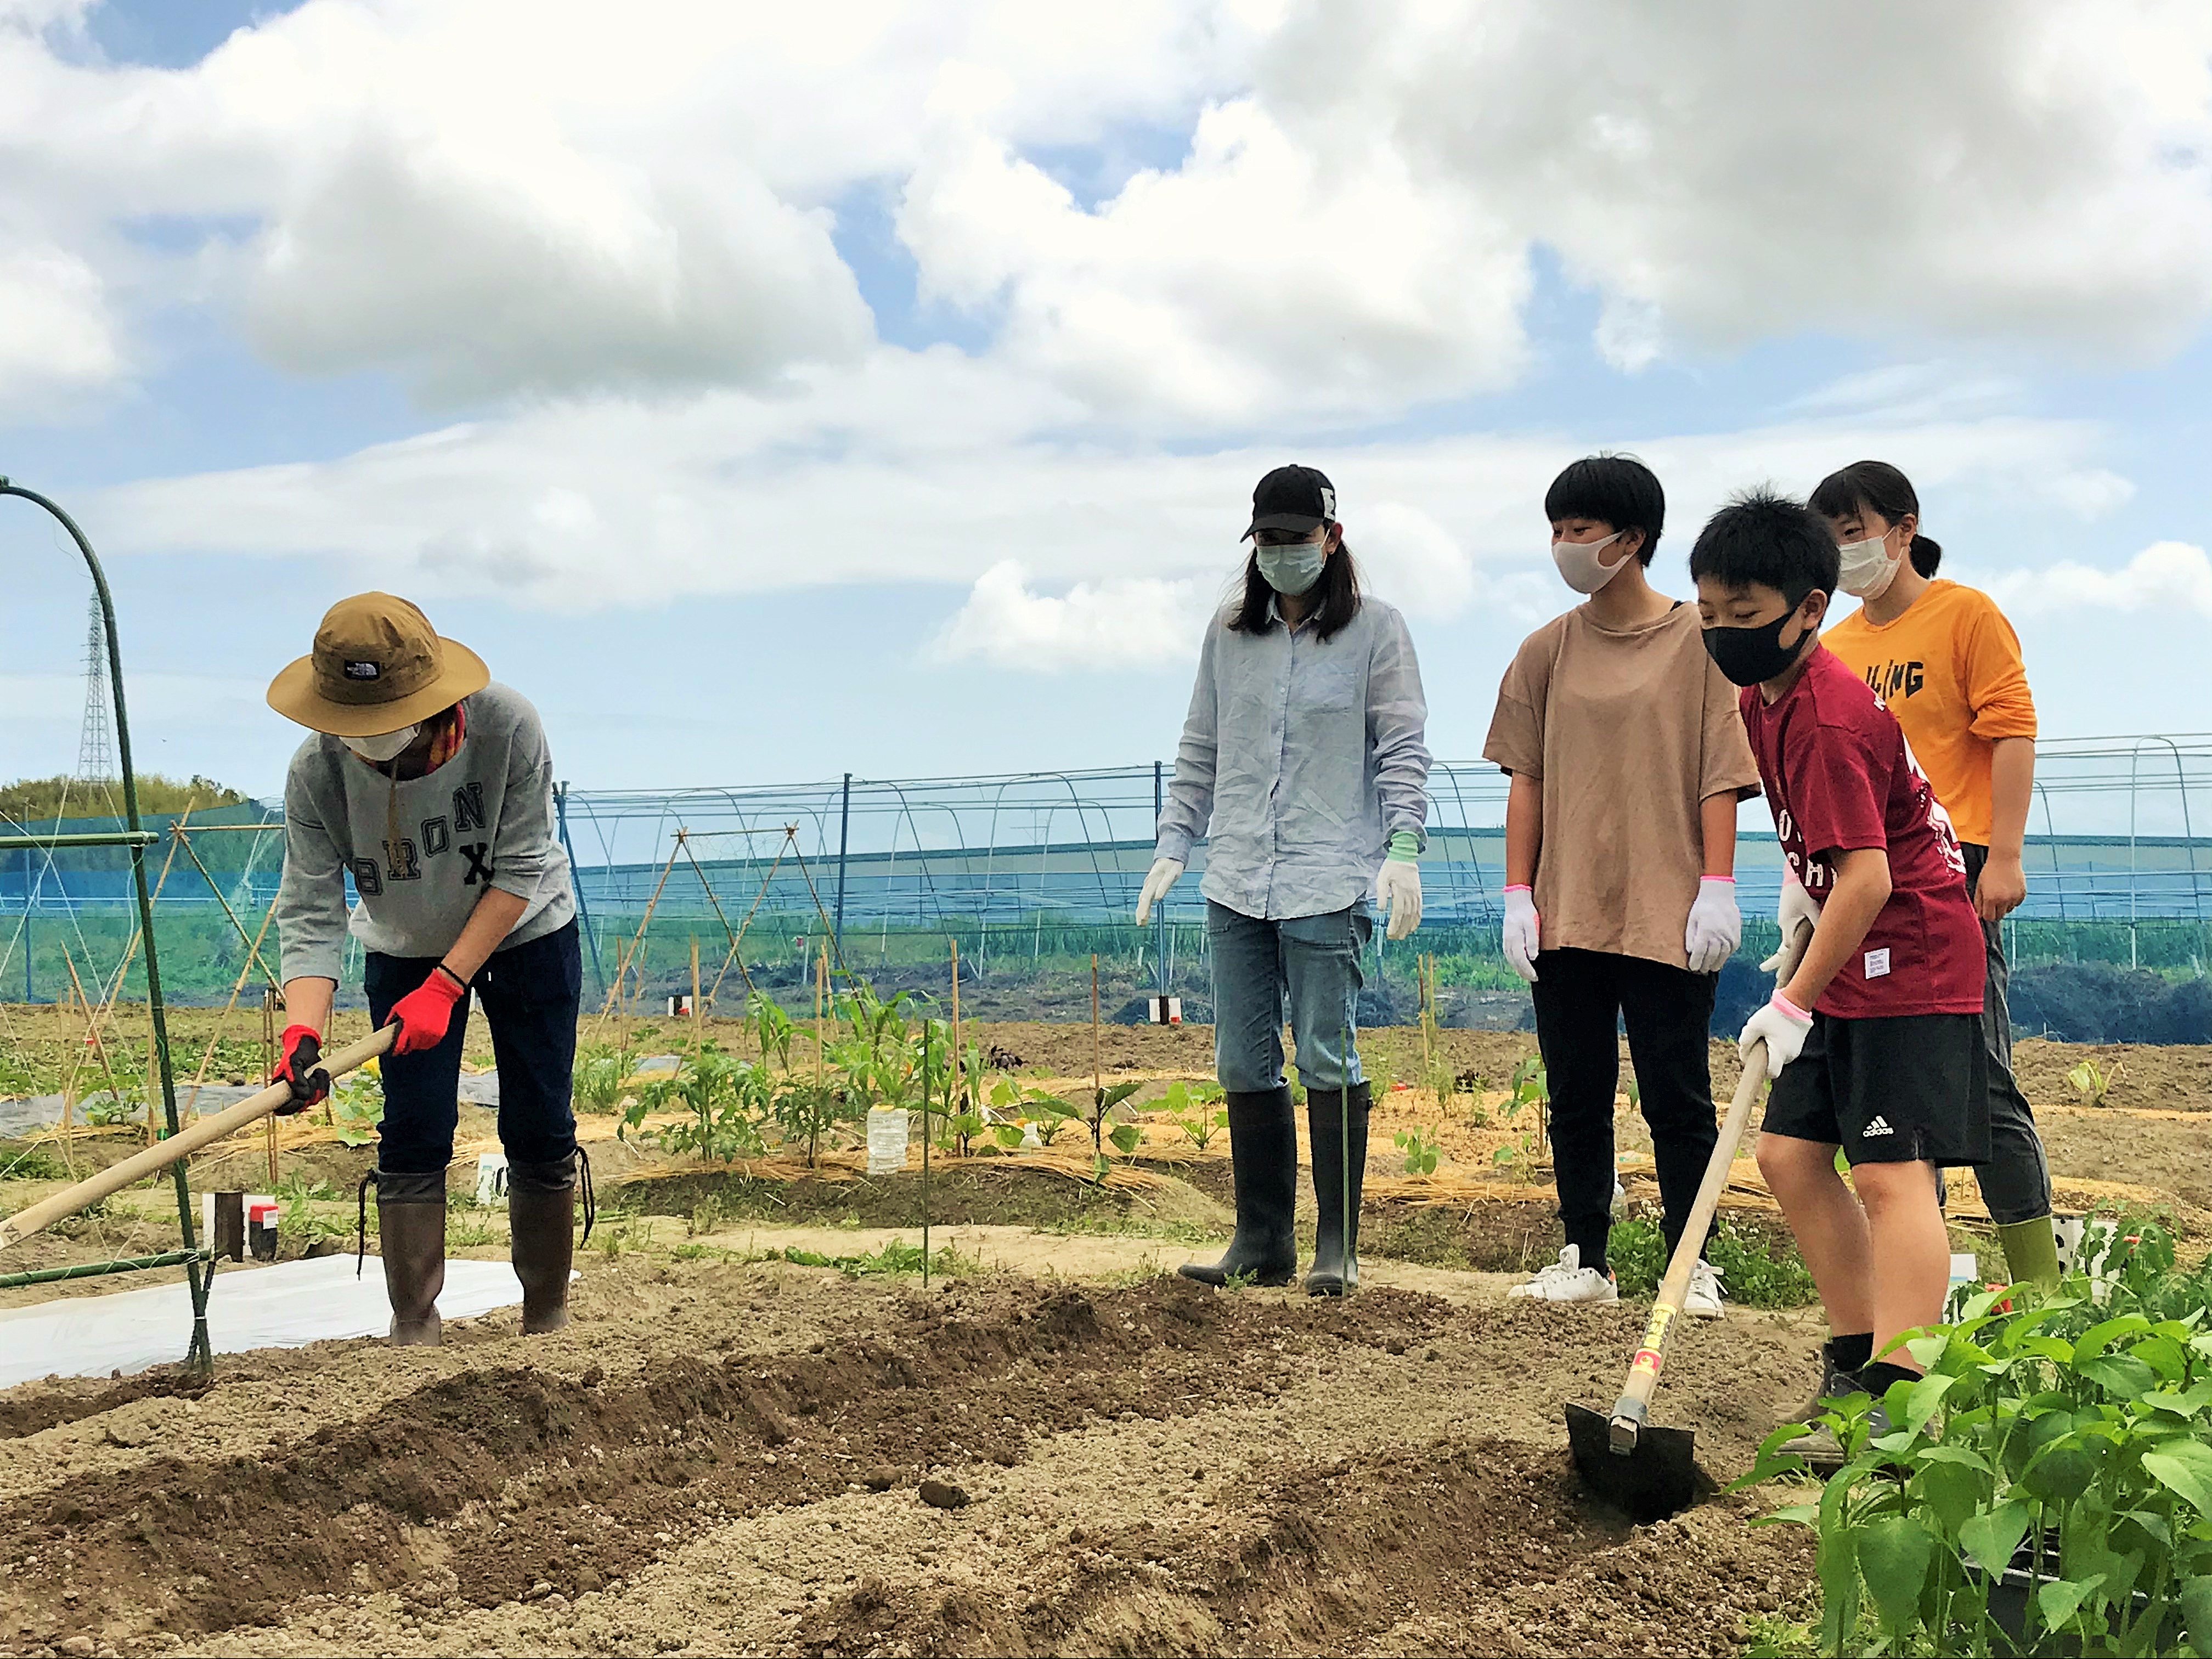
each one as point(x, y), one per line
point(1302, 762)
point(1627, 759)
point(1874, 1036)
point(1948, 663)
point(433, 789)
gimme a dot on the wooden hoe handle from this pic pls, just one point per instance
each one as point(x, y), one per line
point(1630, 1411)
point(187, 1141)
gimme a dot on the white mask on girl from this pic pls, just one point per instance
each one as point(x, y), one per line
point(1867, 568)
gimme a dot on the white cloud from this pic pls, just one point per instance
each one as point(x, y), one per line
point(1116, 622)
point(2165, 576)
point(56, 341)
point(1347, 229)
point(1414, 562)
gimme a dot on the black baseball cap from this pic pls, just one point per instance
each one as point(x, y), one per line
point(1293, 498)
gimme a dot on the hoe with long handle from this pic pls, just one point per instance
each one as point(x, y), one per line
point(1634, 1465)
point(187, 1141)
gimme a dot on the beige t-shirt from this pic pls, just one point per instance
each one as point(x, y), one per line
point(1628, 733)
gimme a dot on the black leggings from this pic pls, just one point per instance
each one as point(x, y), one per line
point(1582, 998)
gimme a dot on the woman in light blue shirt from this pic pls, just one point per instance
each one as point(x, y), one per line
point(1304, 764)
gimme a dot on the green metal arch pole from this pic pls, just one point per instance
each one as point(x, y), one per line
point(201, 1353)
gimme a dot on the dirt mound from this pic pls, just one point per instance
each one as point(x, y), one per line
point(1160, 1467)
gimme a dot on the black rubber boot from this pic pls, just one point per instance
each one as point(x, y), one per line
point(1263, 1161)
point(1336, 1231)
point(411, 1227)
point(541, 1218)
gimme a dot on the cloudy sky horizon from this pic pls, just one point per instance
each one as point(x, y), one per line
point(774, 393)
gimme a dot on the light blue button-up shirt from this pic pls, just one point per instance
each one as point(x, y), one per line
point(1299, 759)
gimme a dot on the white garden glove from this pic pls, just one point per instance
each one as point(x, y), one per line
point(1797, 906)
point(1715, 926)
point(1783, 1026)
point(1398, 886)
point(1157, 879)
point(1520, 941)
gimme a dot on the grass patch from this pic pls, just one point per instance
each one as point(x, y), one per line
point(1756, 1272)
point(894, 1259)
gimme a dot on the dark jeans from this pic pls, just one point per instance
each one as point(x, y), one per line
point(1582, 998)
point(2016, 1180)
point(529, 995)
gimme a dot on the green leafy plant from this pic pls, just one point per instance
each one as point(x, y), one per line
point(2091, 1085)
point(1755, 1275)
point(31, 1164)
point(1196, 1112)
point(772, 1027)
point(1022, 1109)
point(2057, 1456)
point(1124, 1136)
point(1420, 1151)
point(602, 1072)
point(727, 1100)
point(357, 1105)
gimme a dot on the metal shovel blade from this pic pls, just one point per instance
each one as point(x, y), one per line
point(1660, 1477)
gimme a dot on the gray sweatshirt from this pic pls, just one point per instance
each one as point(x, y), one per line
point(421, 852)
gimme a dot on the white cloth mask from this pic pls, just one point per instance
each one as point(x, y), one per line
point(1580, 567)
point(1867, 568)
point(386, 745)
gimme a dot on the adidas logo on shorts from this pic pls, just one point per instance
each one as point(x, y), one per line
point(1879, 1126)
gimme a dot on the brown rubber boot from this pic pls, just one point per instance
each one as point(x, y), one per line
point(411, 1221)
point(541, 1218)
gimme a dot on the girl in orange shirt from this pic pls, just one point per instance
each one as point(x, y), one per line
point(1948, 663)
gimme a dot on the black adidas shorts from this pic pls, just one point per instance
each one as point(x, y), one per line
point(1901, 1089)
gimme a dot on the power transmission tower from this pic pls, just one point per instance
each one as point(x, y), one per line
point(96, 744)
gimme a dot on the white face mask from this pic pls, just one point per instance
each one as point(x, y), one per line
point(1867, 567)
point(1292, 566)
point(1580, 567)
point(385, 745)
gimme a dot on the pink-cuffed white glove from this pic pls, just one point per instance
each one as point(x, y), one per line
point(1783, 1026)
point(1520, 940)
point(1797, 906)
point(1716, 925)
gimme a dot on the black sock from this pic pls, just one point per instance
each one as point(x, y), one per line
point(1848, 1353)
point(1876, 1378)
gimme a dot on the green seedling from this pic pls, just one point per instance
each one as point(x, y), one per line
point(1420, 1151)
point(2090, 1085)
point(1195, 1112)
point(1124, 1136)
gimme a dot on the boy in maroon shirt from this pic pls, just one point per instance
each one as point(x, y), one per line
point(1888, 1064)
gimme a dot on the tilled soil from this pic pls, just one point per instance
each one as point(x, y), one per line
point(730, 1458)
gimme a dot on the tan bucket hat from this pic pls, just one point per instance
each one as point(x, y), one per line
point(377, 666)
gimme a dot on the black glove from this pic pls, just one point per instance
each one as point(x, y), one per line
point(300, 1064)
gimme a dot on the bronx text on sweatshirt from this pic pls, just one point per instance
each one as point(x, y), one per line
point(421, 851)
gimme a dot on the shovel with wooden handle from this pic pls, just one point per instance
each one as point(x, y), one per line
point(1648, 1471)
point(187, 1141)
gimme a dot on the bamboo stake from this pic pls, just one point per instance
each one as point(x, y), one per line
point(237, 988)
point(1097, 1070)
point(630, 951)
point(698, 1011)
point(177, 829)
point(926, 1138)
point(959, 1063)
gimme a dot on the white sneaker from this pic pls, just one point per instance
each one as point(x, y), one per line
point(1703, 1299)
point(1568, 1281)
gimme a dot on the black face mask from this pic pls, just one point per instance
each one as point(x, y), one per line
point(1752, 656)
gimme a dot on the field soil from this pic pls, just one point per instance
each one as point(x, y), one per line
point(726, 1457)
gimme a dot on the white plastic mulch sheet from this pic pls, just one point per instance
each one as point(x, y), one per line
point(284, 1306)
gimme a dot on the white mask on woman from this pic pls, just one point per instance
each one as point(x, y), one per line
point(386, 745)
point(1581, 569)
point(1867, 568)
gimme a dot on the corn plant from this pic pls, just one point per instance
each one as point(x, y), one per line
point(772, 1027)
point(2046, 1486)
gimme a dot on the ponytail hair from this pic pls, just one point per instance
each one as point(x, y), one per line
point(1877, 487)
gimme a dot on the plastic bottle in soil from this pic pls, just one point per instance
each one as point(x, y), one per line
point(887, 1140)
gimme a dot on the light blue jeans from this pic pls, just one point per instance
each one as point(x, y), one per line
point(1312, 963)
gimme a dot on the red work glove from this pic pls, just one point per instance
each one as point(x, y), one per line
point(424, 1012)
point(300, 1063)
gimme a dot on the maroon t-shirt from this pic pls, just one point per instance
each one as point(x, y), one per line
point(1840, 777)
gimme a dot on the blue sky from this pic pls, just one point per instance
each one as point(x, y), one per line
point(883, 394)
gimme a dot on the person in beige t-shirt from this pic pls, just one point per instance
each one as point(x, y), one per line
point(1627, 757)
